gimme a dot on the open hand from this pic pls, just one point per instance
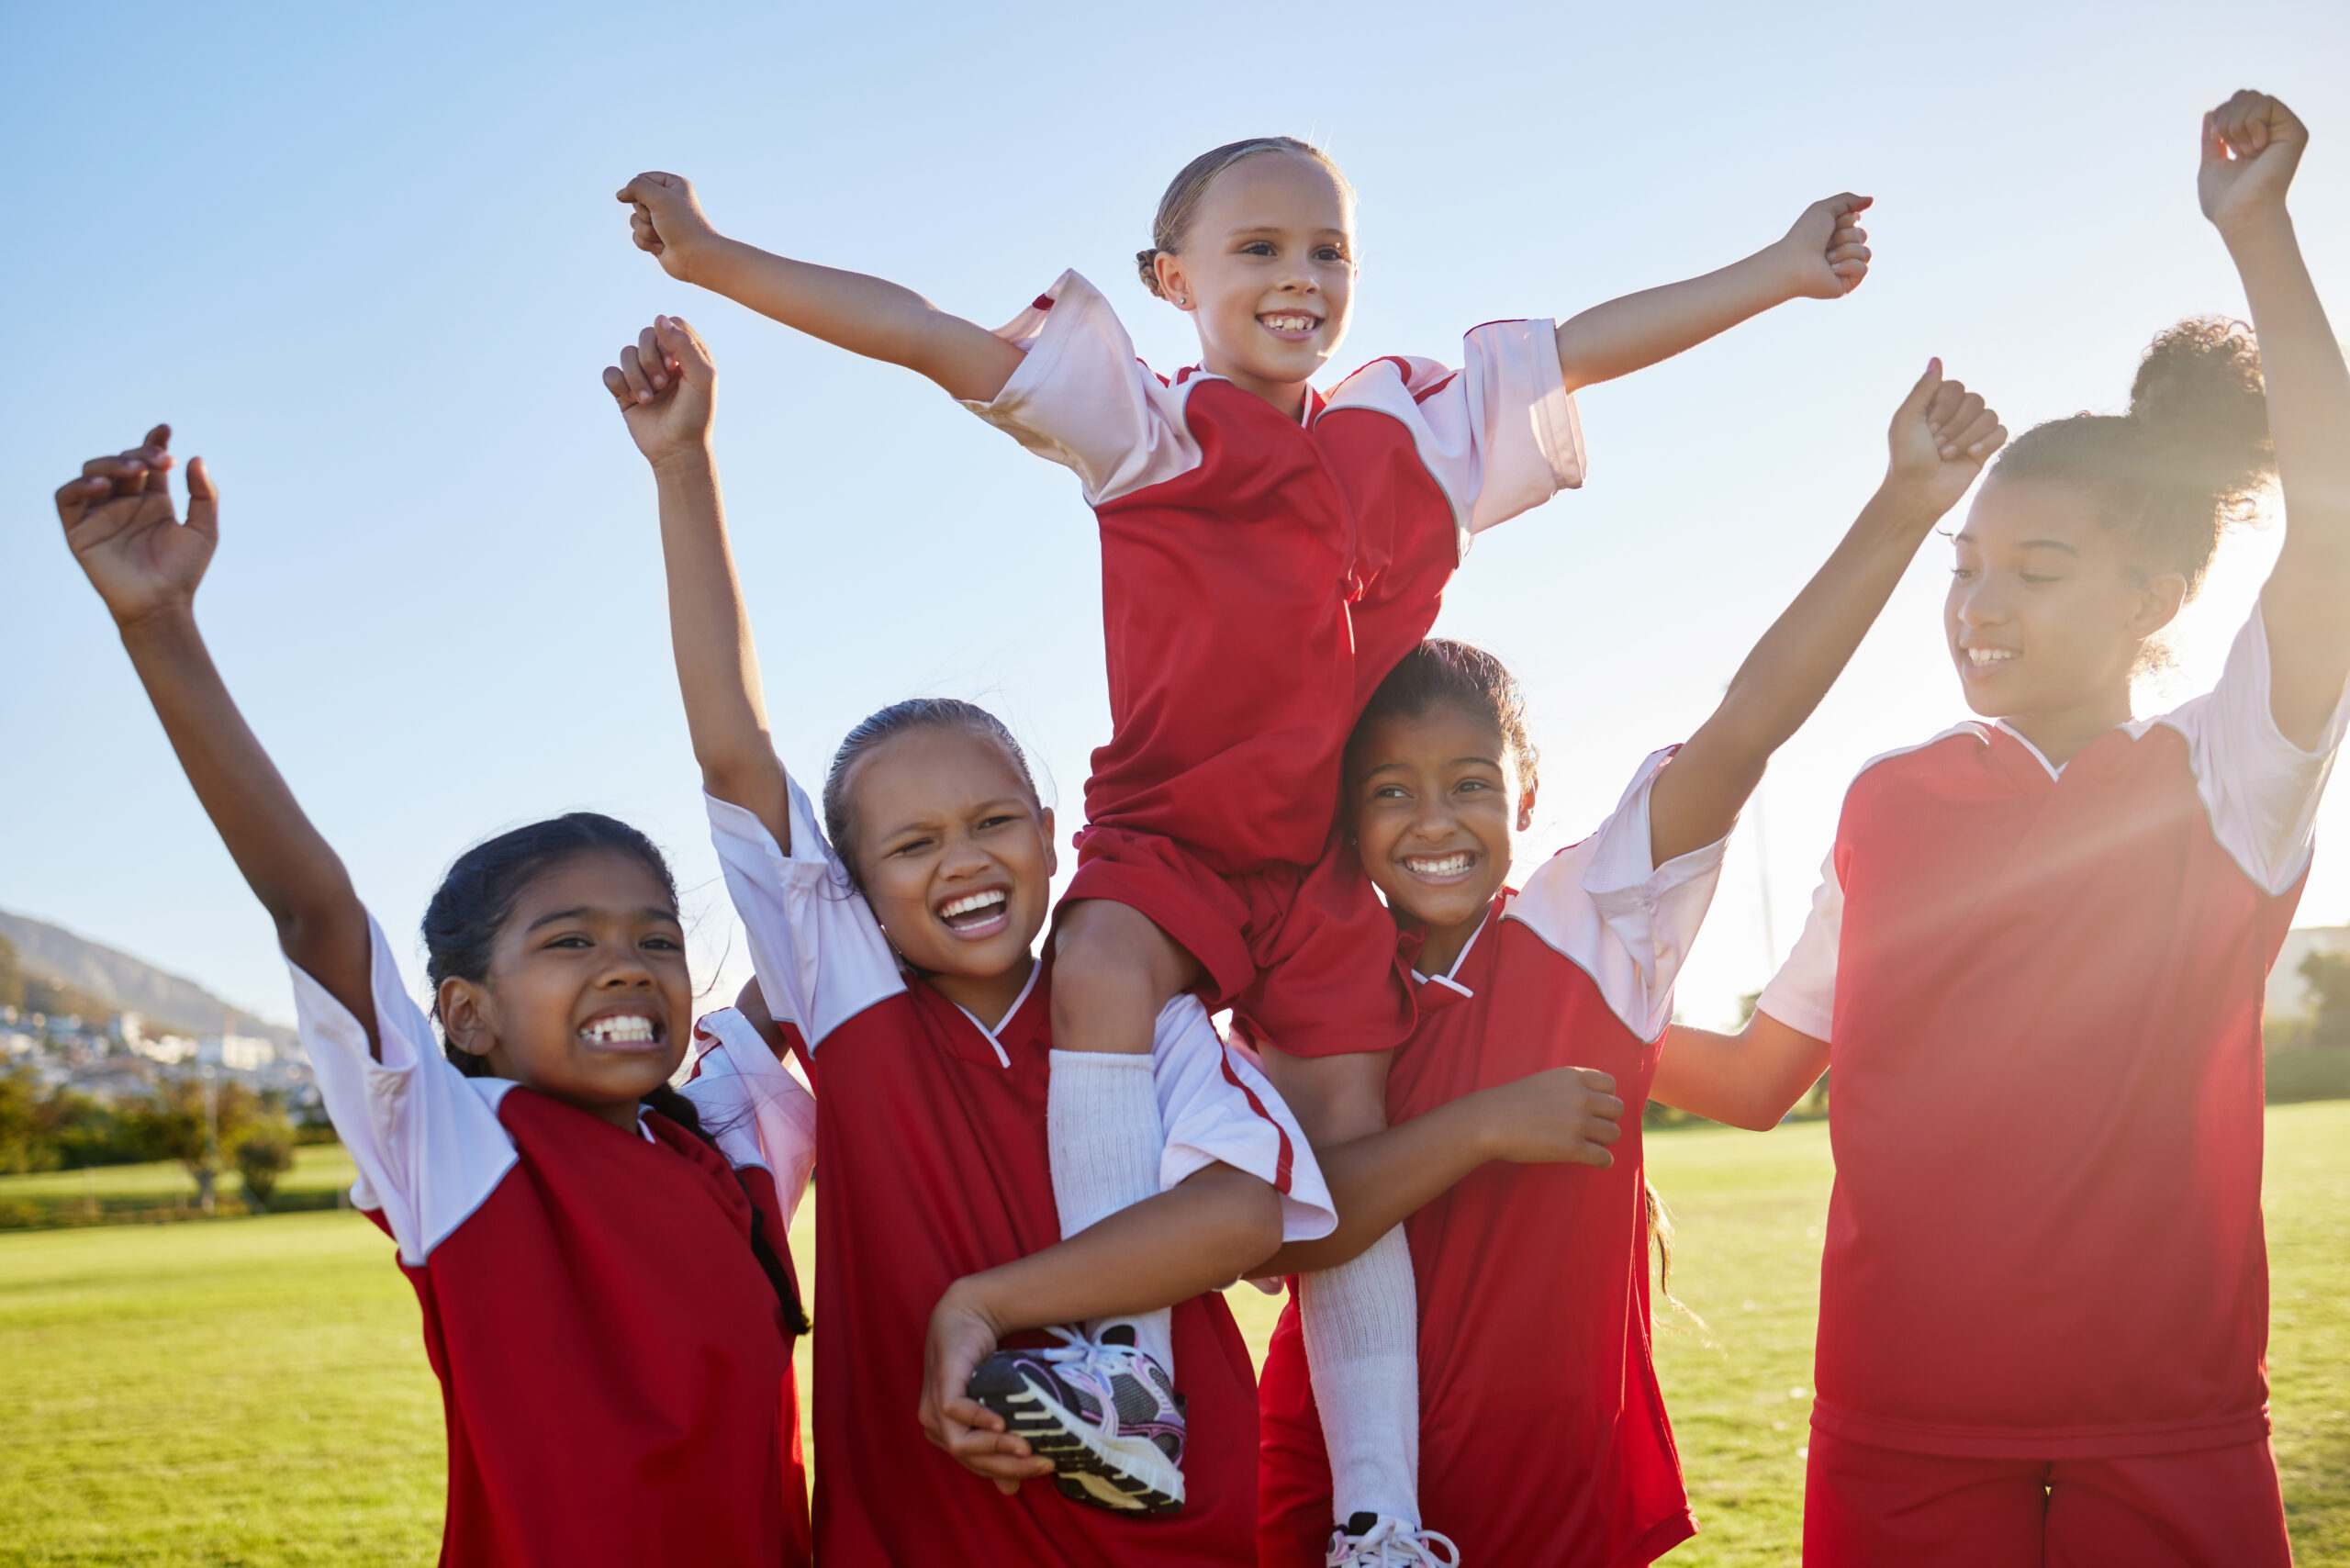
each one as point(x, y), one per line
point(1828, 251)
point(2252, 144)
point(1942, 436)
point(667, 221)
point(1566, 1115)
point(961, 1337)
point(665, 384)
point(122, 530)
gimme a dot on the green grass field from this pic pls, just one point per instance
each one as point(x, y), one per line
point(254, 1391)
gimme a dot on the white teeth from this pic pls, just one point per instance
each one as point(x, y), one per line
point(1290, 323)
point(1438, 865)
point(1980, 656)
point(968, 902)
point(631, 1028)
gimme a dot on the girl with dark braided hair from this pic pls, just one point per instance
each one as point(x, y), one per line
point(605, 1299)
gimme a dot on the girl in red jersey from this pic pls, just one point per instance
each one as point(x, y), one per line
point(902, 974)
point(605, 1300)
point(1534, 1298)
point(1269, 552)
point(2036, 964)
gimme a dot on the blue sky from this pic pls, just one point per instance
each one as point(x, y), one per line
point(368, 264)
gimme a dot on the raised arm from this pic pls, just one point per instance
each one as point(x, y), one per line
point(864, 315)
point(1824, 256)
point(146, 564)
point(2252, 144)
point(664, 385)
point(1940, 436)
point(1747, 1080)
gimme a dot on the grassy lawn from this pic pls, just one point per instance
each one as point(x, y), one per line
point(317, 1167)
point(254, 1391)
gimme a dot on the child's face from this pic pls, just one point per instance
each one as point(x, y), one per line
point(588, 999)
point(2044, 614)
point(953, 852)
point(1267, 270)
point(1433, 810)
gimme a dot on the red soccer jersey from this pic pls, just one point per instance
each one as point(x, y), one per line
point(932, 1145)
point(2042, 989)
point(1261, 575)
point(612, 1359)
point(1543, 1439)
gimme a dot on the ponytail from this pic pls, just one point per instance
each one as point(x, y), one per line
point(680, 1110)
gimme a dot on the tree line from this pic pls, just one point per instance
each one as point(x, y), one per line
point(208, 1128)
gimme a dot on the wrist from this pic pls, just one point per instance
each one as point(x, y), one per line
point(1904, 508)
point(969, 1297)
point(2260, 229)
point(157, 625)
point(692, 461)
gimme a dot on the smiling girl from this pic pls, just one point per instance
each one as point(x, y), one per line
point(605, 1301)
point(894, 944)
point(1269, 551)
point(1534, 1299)
point(2036, 965)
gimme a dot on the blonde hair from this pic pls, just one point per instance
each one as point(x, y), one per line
point(1180, 204)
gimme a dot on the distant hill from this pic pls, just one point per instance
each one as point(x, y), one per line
point(125, 984)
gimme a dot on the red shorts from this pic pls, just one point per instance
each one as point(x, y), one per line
point(1304, 957)
point(1871, 1508)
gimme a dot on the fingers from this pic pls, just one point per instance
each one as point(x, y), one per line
point(77, 496)
point(1914, 405)
point(641, 231)
point(1608, 1106)
point(642, 188)
point(688, 355)
point(656, 362)
point(634, 371)
point(203, 501)
point(1951, 432)
point(617, 384)
point(1983, 436)
point(1597, 1081)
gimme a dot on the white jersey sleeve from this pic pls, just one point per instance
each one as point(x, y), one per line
point(2261, 789)
point(1083, 400)
point(749, 1102)
point(1802, 995)
point(1216, 1104)
point(818, 951)
point(1605, 907)
point(426, 1139)
point(1499, 435)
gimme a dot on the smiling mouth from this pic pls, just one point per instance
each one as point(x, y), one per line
point(977, 914)
point(1295, 325)
point(1453, 867)
point(623, 1032)
point(1984, 661)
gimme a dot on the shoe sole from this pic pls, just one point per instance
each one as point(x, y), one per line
point(1085, 1469)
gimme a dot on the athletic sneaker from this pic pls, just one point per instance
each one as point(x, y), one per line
point(1103, 1412)
point(1375, 1540)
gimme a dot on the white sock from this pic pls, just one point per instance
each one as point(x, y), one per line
point(1101, 1132)
point(1361, 1321)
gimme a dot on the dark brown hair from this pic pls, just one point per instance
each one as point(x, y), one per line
point(887, 724)
point(1443, 672)
point(2189, 459)
point(1180, 204)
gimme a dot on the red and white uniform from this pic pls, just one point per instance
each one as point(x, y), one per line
point(613, 1364)
point(1543, 1439)
point(2042, 988)
point(932, 1132)
point(1261, 575)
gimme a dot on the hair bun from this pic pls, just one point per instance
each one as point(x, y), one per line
point(1147, 263)
point(2201, 401)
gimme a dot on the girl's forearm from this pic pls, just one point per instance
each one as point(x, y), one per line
point(864, 314)
point(1212, 1229)
point(1747, 1080)
point(292, 870)
point(1698, 798)
point(2309, 420)
point(1379, 1182)
point(710, 637)
point(1644, 328)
